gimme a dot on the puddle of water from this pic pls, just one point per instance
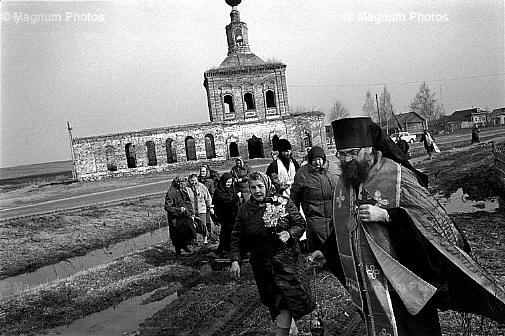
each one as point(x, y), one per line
point(66, 268)
point(459, 203)
point(116, 320)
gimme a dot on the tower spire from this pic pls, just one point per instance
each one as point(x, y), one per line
point(239, 53)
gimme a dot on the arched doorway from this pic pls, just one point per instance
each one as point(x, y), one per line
point(255, 147)
point(110, 157)
point(151, 154)
point(233, 149)
point(171, 153)
point(131, 157)
point(210, 149)
point(190, 148)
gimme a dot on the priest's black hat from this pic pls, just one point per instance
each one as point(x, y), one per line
point(283, 145)
point(353, 132)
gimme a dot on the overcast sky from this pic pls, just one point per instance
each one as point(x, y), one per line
point(109, 67)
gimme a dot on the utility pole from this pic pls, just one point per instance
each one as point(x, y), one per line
point(441, 99)
point(69, 128)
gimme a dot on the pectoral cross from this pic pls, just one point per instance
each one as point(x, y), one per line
point(364, 199)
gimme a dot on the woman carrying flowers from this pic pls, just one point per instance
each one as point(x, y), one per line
point(271, 226)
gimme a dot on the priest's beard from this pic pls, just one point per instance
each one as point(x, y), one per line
point(285, 160)
point(355, 172)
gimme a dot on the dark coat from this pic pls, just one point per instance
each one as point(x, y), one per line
point(226, 203)
point(428, 145)
point(276, 266)
point(313, 190)
point(241, 173)
point(180, 224)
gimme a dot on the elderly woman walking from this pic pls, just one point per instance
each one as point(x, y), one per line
point(271, 226)
point(180, 215)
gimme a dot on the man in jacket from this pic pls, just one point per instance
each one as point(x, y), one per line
point(394, 247)
point(313, 190)
point(282, 170)
point(202, 203)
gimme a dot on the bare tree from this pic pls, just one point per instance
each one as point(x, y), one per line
point(425, 103)
point(369, 106)
point(385, 108)
point(338, 111)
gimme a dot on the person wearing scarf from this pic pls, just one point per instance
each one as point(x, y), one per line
point(226, 203)
point(312, 190)
point(393, 246)
point(240, 173)
point(270, 226)
point(180, 214)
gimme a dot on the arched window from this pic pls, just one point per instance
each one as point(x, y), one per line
point(228, 104)
point(249, 101)
point(307, 139)
point(210, 149)
point(238, 35)
point(171, 152)
point(151, 154)
point(131, 157)
point(234, 150)
point(270, 98)
point(190, 148)
point(110, 157)
point(275, 141)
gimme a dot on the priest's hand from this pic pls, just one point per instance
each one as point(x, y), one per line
point(235, 270)
point(372, 213)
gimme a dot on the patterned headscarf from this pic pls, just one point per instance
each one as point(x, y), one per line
point(269, 186)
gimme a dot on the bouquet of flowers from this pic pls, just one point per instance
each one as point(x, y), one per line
point(275, 213)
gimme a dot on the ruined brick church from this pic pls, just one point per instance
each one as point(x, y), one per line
point(248, 111)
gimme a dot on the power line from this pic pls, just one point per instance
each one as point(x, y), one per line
point(406, 82)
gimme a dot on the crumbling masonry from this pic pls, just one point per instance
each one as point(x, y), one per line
point(248, 112)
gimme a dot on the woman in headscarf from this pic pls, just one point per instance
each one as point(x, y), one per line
point(271, 226)
point(180, 215)
point(226, 202)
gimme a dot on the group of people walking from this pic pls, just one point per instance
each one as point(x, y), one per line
point(380, 232)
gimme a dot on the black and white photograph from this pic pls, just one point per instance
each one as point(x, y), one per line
point(252, 168)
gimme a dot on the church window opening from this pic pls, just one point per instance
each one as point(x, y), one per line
point(210, 149)
point(255, 147)
point(190, 148)
point(151, 154)
point(270, 97)
point(171, 153)
point(228, 104)
point(238, 36)
point(307, 139)
point(234, 150)
point(110, 157)
point(131, 157)
point(249, 101)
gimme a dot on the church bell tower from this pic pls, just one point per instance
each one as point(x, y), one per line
point(244, 87)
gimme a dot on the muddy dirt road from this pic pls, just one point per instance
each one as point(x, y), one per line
point(193, 293)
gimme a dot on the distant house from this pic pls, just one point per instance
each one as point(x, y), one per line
point(498, 116)
point(411, 122)
point(469, 117)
